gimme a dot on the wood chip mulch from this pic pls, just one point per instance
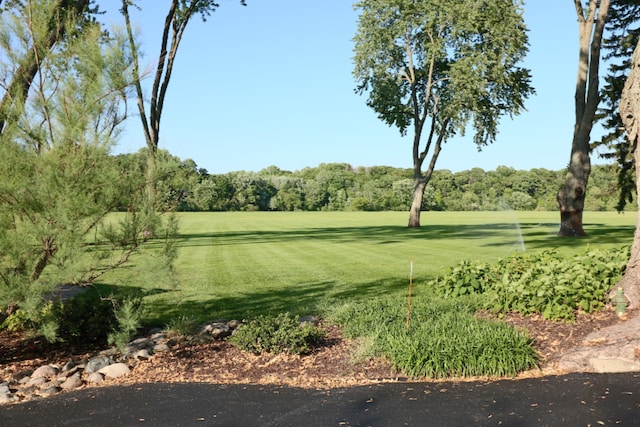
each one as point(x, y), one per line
point(329, 366)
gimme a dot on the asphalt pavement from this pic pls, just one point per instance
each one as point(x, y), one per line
point(570, 400)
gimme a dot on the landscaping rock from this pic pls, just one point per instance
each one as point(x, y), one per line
point(158, 348)
point(610, 350)
point(6, 398)
point(97, 363)
point(49, 391)
point(48, 380)
point(95, 378)
point(73, 382)
point(46, 371)
point(216, 329)
point(115, 370)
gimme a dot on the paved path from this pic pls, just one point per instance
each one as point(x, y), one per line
point(571, 400)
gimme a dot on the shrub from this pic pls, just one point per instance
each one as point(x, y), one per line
point(545, 283)
point(277, 334)
point(85, 318)
point(128, 313)
point(88, 318)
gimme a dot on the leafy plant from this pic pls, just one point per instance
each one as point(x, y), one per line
point(277, 334)
point(544, 282)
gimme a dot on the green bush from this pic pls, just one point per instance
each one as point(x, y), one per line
point(277, 334)
point(545, 283)
point(86, 318)
point(128, 313)
point(444, 338)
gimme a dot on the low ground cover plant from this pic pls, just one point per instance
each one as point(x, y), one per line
point(547, 283)
point(282, 333)
point(443, 339)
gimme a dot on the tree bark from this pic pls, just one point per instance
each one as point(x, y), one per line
point(630, 115)
point(416, 205)
point(572, 194)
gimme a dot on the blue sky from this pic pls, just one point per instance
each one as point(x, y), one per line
point(271, 84)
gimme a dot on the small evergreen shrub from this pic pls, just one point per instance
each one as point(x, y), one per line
point(86, 318)
point(277, 334)
point(128, 313)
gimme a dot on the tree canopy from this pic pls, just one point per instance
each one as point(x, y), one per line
point(439, 65)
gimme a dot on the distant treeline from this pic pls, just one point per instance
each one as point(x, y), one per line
point(340, 186)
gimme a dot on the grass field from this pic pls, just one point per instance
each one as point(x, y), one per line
point(243, 264)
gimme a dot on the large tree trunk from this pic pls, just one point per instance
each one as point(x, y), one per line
point(572, 194)
point(416, 205)
point(630, 114)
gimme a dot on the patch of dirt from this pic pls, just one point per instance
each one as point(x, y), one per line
point(329, 366)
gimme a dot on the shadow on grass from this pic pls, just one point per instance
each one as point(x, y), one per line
point(534, 235)
point(300, 299)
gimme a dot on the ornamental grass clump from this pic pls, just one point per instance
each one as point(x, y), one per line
point(444, 339)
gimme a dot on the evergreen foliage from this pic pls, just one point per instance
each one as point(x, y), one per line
point(59, 181)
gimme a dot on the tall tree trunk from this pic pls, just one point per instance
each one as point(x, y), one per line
point(572, 194)
point(416, 205)
point(630, 115)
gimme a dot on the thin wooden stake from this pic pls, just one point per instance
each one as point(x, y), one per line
point(410, 291)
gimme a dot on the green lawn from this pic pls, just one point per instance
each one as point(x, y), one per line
point(242, 264)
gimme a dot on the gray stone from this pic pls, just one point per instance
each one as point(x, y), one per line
point(7, 398)
point(97, 363)
point(158, 348)
point(115, 370)
point(49, 391)
point(95, 378)
point(72, 382)
point(4, 389)
point(216, 330)
point(38, 381)
point(158, 337)
point(25, 391)
point(69, 366)
point(46, 371)
point(234, 324)
point(612, 365)
point(142, 354)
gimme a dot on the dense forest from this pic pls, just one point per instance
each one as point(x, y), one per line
point(340, 186)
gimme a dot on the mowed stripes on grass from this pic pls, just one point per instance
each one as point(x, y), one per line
point(242, 264)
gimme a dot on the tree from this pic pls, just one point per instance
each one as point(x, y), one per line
point(178, 16)
point(630, 115)
point(571, 196)
point(437, 65)
point(58, 182)
point(54, 28)
point(622, 35)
